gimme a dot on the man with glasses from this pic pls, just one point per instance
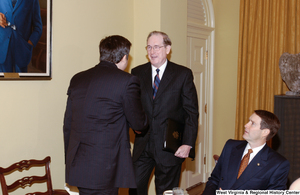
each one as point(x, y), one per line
point(167, 92)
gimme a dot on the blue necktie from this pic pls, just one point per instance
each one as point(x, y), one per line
point(14, 2)
point(156, 83)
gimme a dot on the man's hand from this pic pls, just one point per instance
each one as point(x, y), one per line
point(3, 22)
point(183, 151)
point(137, 132)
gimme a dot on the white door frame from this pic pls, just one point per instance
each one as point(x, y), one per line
point(206, 31)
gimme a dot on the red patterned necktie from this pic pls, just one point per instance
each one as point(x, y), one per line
point(244, 162)
point(156, 83)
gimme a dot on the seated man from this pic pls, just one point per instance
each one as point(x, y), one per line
point(261, 167)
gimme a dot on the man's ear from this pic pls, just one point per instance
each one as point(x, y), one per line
point(168, 49)
point(124, 58)
point(123, 63)
point(266, 132)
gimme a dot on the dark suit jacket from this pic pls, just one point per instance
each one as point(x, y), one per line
point(103, 102)
point(176, 98)
point(27, 19)
point(268, 170)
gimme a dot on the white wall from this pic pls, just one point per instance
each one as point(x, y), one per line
point(225, 76)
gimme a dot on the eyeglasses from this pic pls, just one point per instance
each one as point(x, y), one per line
point(9, 24)
point(155, 47)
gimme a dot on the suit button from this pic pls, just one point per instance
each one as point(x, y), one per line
point(222, 178)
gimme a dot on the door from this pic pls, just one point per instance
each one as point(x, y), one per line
point(197, 61)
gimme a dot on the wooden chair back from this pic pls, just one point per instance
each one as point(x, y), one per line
point(28, 180)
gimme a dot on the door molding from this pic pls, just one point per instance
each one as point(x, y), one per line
point(200, 24)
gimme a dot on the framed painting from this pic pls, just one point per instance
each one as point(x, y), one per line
point(25, 39)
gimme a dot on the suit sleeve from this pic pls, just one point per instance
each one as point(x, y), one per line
point(67, 124)
point(37, 24)
point(133, 109)
point(213, 181)
point(278, 180)
point(190, 105)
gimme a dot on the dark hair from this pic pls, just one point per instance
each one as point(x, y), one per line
point(167, 40)
point(268, 121)
point(113, 48)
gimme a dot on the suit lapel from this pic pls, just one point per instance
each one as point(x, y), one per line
point(235, 161)
point(18, 4)
point(168, 74)
point(147, 79)
point(10, 5)
point(256, 165)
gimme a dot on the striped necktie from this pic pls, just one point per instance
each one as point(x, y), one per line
point(156, 83)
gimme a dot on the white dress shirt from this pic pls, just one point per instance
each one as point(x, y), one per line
point(255, 151)
point(161, 71)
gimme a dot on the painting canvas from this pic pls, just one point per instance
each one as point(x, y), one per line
point(25, 39)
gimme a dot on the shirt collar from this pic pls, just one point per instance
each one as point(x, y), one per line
point(162, 69)
point(255, 151)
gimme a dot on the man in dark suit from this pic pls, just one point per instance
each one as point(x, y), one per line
point(20, 30)
point(103, 102)
point(172, 96)
point(265, 168)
